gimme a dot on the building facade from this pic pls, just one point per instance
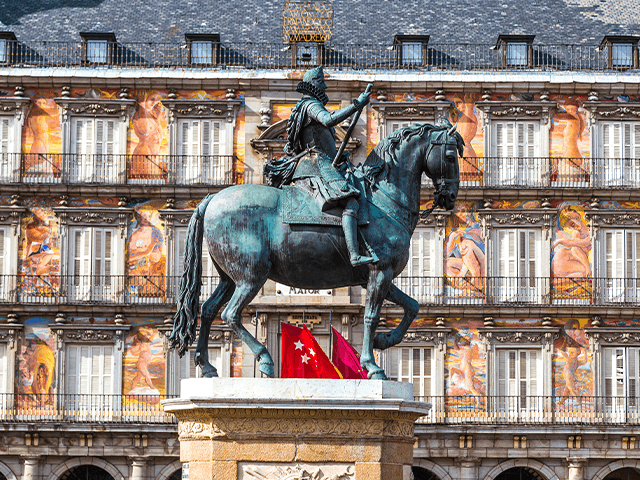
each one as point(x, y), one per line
point(527, 341)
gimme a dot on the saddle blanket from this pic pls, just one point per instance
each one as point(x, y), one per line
point(298, 206)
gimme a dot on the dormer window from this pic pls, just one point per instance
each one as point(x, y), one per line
point(622, 51)
point(7, 46)
point(203, 48)
point(412, 49)
point(517, 50)
point(98, 48)
point(307, 53)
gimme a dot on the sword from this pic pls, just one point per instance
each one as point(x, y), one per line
point(354, 120)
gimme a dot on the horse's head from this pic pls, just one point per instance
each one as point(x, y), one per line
point(441, 164)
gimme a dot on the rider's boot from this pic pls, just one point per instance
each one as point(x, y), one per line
point(350, 227)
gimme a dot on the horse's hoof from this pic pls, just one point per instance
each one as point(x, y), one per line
point(267, 369)
point(211, 374)
point(377, 375)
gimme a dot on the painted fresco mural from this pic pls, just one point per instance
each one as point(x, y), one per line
point(572, 363)
point(144, 362)
point(465, 366)
point(42, 135)
point(35, 378)
point(464, 253)
point(146, 256)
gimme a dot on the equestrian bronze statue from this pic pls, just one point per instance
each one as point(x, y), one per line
point(329, 225)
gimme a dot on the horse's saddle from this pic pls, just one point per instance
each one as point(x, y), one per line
point(300, 205)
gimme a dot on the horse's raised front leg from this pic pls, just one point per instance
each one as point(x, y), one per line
point(244, 293)
point(377, 288)
point(220, 296)
point(411, 307)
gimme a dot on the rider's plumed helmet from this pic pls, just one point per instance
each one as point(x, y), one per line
point(313, 84)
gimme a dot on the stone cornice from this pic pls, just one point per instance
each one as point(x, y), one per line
point(517, 110)
point(94, 216)
point(220, 109)
point(9, 333)
point(102, 107)
point(518, 335)
point(613, 110)
point(612, 336)
point(94, 334)
point(410, 110)
point(513, 218)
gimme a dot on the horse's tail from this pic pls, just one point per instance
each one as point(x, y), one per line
point(184, 322)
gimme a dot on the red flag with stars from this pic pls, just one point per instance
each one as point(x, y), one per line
point(302, 356)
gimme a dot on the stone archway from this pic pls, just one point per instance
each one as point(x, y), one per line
point(60, 470)
point(7, 472)
point(618, 465)
point(169, 470)
point(539, 467)
point(434, 468)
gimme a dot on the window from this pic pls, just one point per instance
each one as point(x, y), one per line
point(202, 48)
point(420, 279)
point(622, 50)
point(184, 368)
point(622, 55)
point(92, 252)
point(89, 379)
point(98, 47)
point(8, 43)
point(516, 148)
point(201, 143)
point(411, 49)
point(9, 148)
point(210, 277)
point(621, 262)
point(414, 365)
point(6, 282)
point(620, 153)
point(4, 373)
point(93, 145)
point(621, 378)
point(306, 53)
point(516, 50)
point(517, 265)
point(518, 380)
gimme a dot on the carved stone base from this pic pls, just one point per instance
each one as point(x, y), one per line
point(295, 429)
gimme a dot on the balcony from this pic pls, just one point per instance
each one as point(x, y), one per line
point(532, 410)
point(89, 409)
point(96, 289)
point(539, 291)
point(249, 55)
point(76, 169)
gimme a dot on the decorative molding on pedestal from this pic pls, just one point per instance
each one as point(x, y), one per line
point(326, 471)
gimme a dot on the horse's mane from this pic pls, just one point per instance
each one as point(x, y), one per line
point(384, 153)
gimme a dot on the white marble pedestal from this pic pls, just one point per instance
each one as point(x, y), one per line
point(277, 429)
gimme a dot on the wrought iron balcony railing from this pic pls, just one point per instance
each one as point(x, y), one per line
point(560, 57)
point(532, 410)
point(521, 290)
point(78, 408)
point(435, 290)
point(51, 168)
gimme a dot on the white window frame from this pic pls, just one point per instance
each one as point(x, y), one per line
point(9, 333)
point(619, 264)
point(220, 342)
point(88, 166)
point(528, 165)
point(540, 339)
point(200, 157)
point(422, 278)
point(208, 168)
point(94, 150)
point(619, 153)
point(408, 363)
point(516, 369)
point(535, 220)
point(11, 123)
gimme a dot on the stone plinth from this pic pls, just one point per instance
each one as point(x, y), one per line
point(264, 429)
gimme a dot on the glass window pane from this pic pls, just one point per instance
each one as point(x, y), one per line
point(3, 49)
point(412, 53)
point(622, 55)
point(307, 53)
point(202, 52)
point(97, 51)
point(517, 54)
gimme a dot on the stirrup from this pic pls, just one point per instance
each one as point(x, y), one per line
point(359, 260)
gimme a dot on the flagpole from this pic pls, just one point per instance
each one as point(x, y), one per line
point(255, 336)
point(330, 334)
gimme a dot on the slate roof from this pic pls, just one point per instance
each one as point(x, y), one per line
point(355, 21)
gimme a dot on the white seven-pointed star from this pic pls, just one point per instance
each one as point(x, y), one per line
point(305, 359)
point(313, 354)
point(299, 345)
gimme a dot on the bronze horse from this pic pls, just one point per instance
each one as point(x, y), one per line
point(249, 243)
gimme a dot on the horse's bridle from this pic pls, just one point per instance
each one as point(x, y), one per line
point(442, 183)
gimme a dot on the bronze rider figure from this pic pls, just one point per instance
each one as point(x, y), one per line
point(311, 126)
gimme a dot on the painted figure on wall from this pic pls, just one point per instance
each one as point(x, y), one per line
point(467, 126)
point(465, 365)
point(40, 257)
point(144, 365)
point(570, 164)
point(572, 365)
point(571, 252)
point(42, 139)
point(464, 253)
point(36, 365)
point(149, 126)
point(146, 264)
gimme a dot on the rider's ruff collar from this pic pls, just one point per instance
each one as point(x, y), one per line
point(309, 89)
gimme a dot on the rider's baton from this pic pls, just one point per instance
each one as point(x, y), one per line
point(354, 120)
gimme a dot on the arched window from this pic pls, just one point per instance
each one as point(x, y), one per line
point(86, 472)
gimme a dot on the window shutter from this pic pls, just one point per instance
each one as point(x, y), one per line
point(107, 370)
point(614, 260)
point(181, 238)
point(97, 362)
point(633, 359)
point(3, 368)
point(71, 366)
point(81, 256)
point(608, 355)
point(84, 380)
point(4, 261)
point(5, 139)
point(501, 360)
point(392, 363)
point(507, 263)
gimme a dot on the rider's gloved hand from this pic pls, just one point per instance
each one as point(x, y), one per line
point(364, 98)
